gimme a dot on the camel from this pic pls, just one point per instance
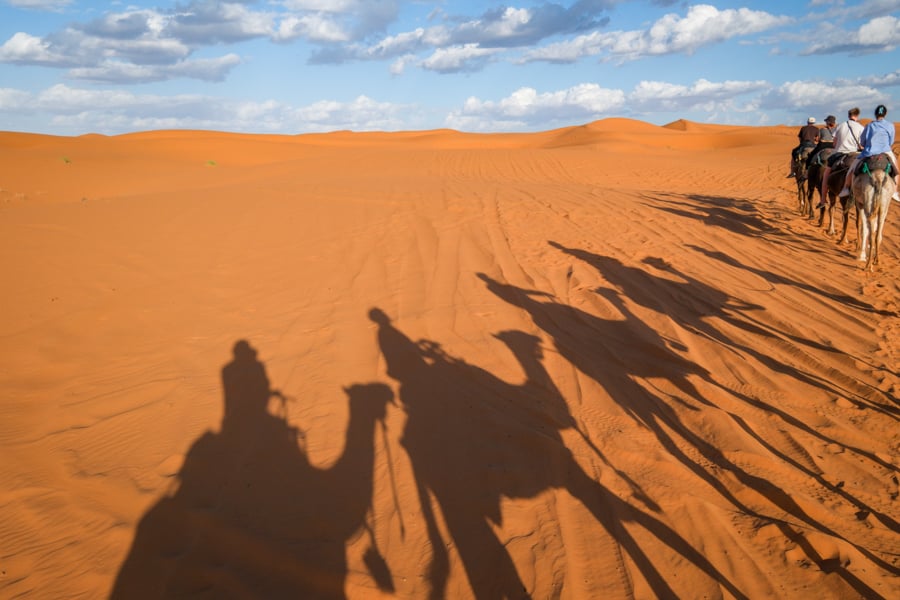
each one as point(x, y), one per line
point(832, 188)
point(814, 181)
point(801, 174)
point(872, 190)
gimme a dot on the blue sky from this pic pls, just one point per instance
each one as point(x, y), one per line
point(70, 67)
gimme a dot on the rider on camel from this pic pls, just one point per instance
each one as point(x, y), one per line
point(826, 139)
point(809, 137)
point(846, 141)
point(877, 138)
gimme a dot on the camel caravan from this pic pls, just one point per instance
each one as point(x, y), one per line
point(853, 165)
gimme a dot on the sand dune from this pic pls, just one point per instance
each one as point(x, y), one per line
point(605, 361)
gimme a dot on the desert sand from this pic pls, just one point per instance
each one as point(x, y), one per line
point(605, 361)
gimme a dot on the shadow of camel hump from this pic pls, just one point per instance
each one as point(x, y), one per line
point(251, 517)
point(474, 439)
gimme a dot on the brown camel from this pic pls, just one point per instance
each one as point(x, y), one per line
point(814, 181)
point(801, 174)
point(830, 191)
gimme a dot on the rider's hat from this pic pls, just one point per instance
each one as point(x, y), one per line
point(830, 119)
point(811, 120)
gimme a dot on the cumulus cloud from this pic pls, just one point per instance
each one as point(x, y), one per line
point(513, 27)
point(820, 97)
point(143, 45)
point(494, 30)
point(659, 96)
point(205, 69)
point(454, 59)
point(354, 19)
point(703, 25)
point(80, 110)
point(316, 28)
point(51, 5)
point(881, 34)
point(124, 42)
point(25, 49)
point(876, 81)
point(867, 9)
point(526, 106)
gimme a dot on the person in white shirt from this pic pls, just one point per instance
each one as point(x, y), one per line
point(846, 141)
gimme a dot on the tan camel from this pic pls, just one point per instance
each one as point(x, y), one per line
point(872, 190)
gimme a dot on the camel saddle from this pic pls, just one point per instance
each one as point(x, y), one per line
point(879, 162)
point(821, 157)
point(842, 160)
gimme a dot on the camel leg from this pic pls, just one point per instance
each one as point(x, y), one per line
point(810, 194)
point(862, 232)
point(845, 209)
point(884, 204)
point(872, 259)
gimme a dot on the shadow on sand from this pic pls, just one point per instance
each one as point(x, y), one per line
point(251, 517)
point(618, 353)
point(474, 439)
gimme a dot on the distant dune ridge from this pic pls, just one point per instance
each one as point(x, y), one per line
point(603, 361)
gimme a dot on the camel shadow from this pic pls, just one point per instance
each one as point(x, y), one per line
point(739, 216)
point(474, 439)
point(777, 279)
point(615, 352)
point(249, 515)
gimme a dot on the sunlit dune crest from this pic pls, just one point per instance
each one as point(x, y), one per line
point(610, 360)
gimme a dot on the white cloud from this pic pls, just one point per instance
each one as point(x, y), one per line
point(876, 81)
point(457, 58)
point(315, 28)
point(496, 30)
point(217, 22)
point(334, 6)
point(358, 19)
point(26, 49)
point(13, 101)
point(52, 5)
point(525, 106)
point(571, 50)
point(137, 46)
point(507, 24)
point(80, 110)
point(821, 97)
point(205, 69)
point(658, 96)
point(399, 66)
point(881, 34)
point(702, 26)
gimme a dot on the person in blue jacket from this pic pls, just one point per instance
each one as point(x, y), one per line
point(877, 138)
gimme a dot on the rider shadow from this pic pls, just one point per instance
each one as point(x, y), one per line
point(251, 516)
point(612, 352)
point(739, 216)
point(697, 306)
point(777, 279)
point(474, 439)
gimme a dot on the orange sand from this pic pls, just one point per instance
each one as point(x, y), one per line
point(608, 361)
